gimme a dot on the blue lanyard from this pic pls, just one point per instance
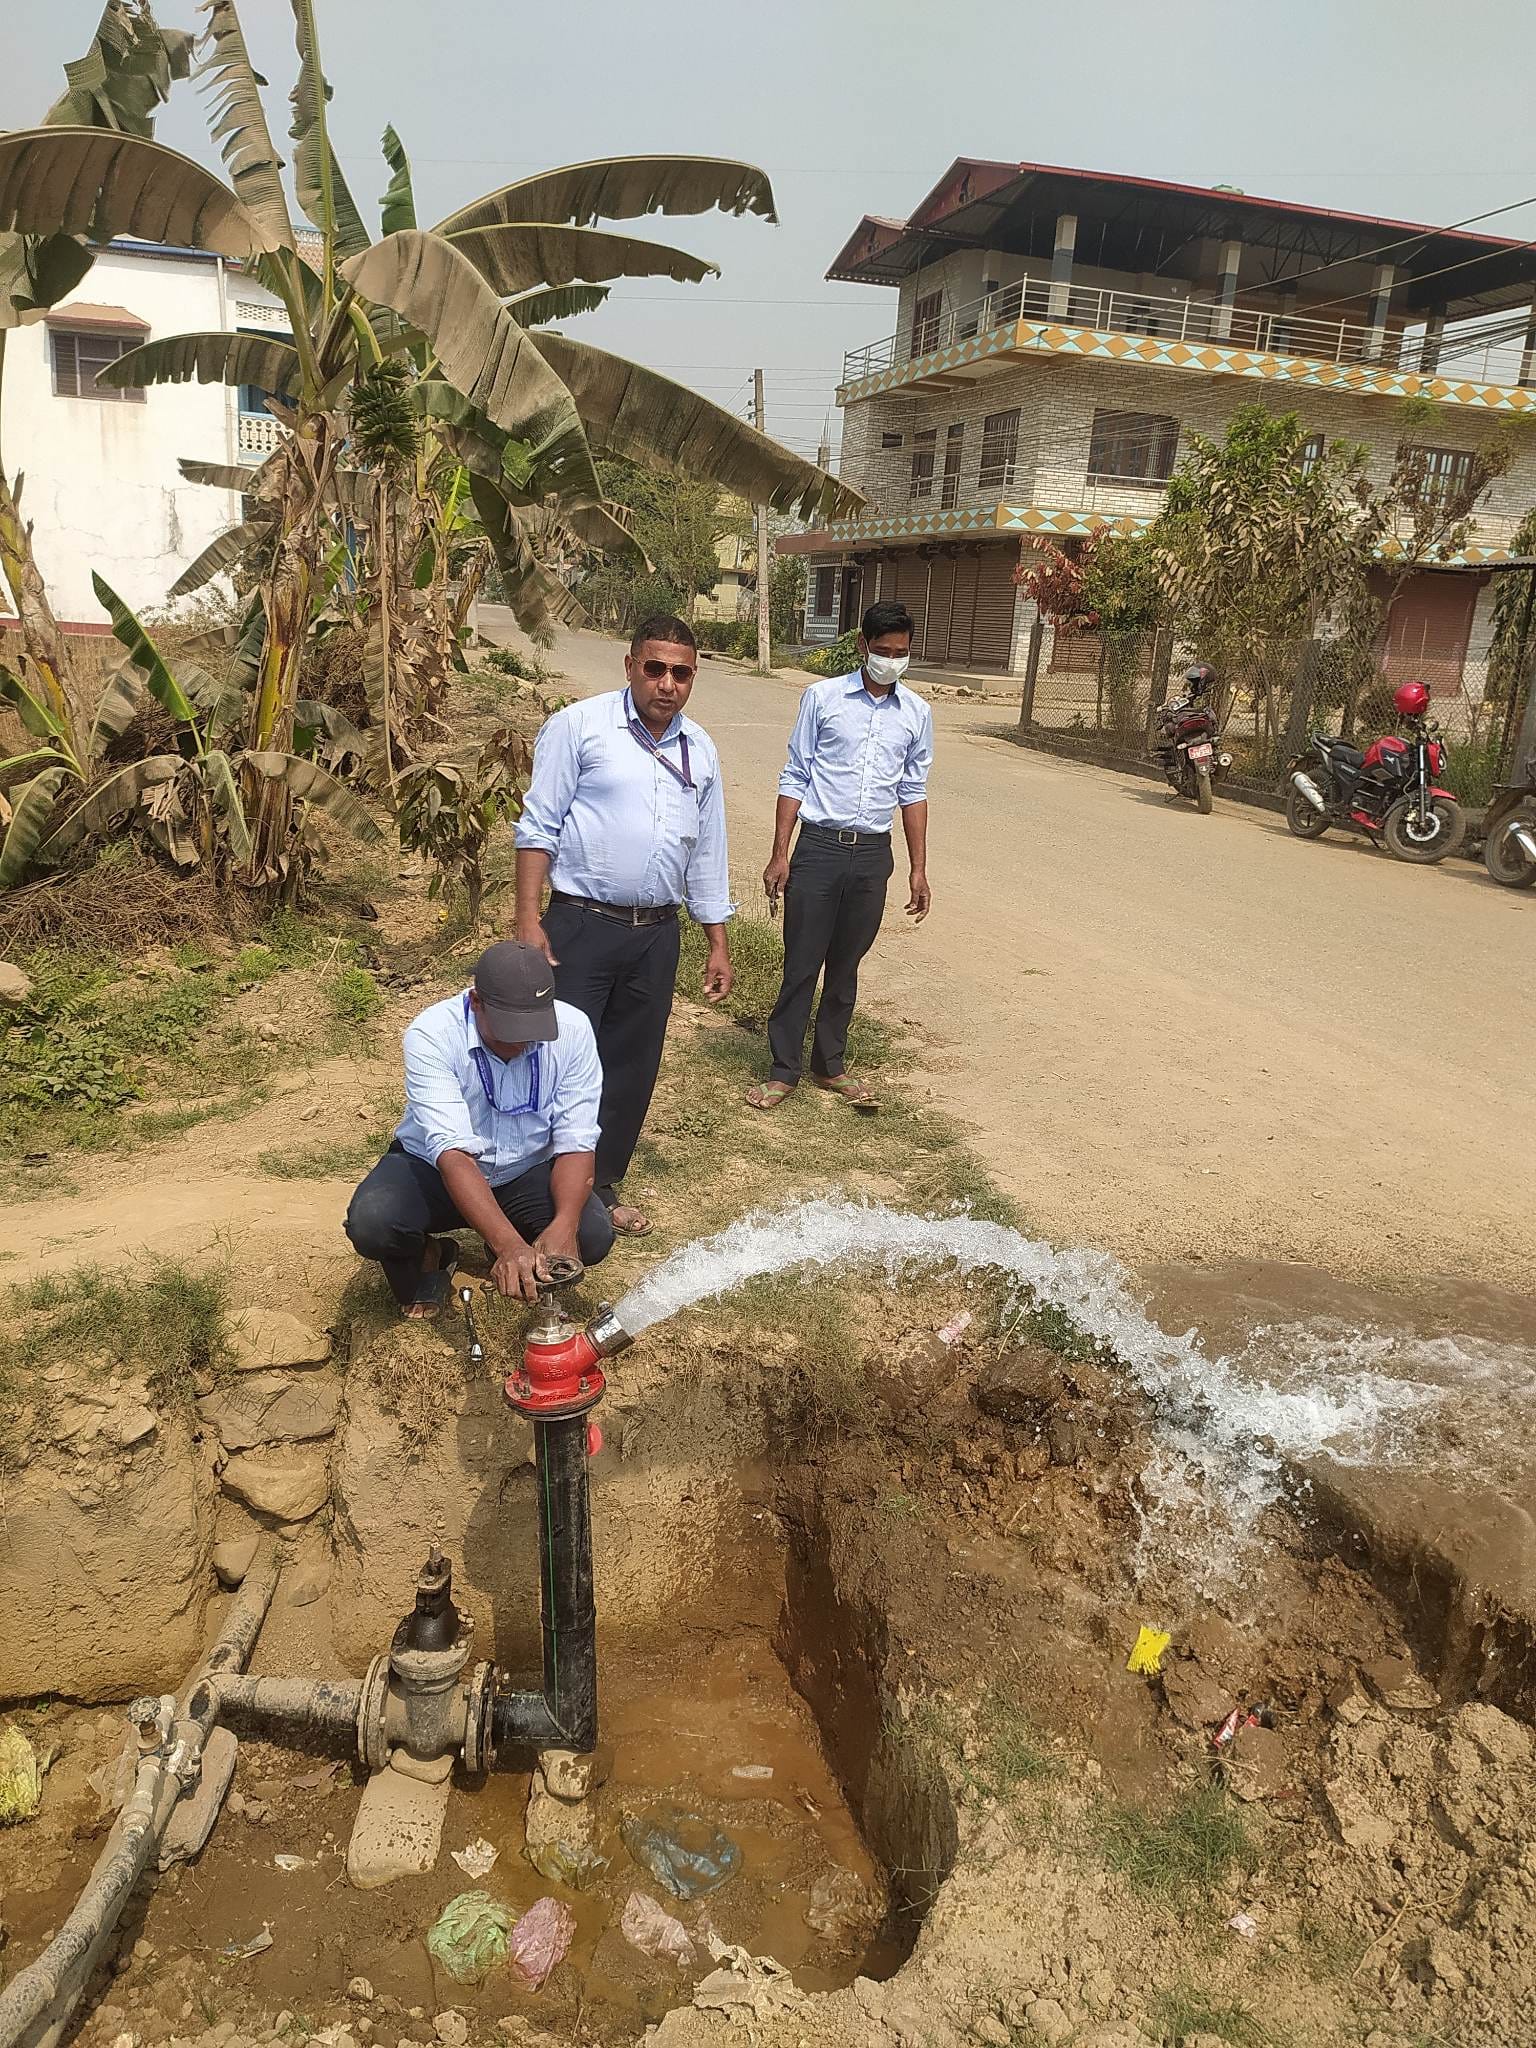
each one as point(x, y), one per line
point(484, 1069)
point(642, 738)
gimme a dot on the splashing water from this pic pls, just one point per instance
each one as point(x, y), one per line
point(1226, 1429)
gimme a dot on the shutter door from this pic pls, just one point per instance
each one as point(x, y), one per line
point(910, 587)
point(941, 600)
point(992, 636)
point(962, 615)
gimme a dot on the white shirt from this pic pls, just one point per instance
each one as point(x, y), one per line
point(547, 1096)
point(854, 757)
point(615, 817)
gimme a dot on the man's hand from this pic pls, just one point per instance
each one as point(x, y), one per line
point(516, 1270)
point(718, 974)
point(775, 875)
point(530, 932)
point(920, 902)
point(557, 1242)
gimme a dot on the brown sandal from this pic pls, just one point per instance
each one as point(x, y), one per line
point(853, 1092)
point(769, 1094)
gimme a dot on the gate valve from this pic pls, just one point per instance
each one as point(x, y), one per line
point(560, 1376)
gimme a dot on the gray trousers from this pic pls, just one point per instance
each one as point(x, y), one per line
point(833, 903)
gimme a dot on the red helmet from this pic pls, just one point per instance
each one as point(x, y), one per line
point(1411, 699)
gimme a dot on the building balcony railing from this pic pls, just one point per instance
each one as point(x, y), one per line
point(256, 436)
point(1490, 357)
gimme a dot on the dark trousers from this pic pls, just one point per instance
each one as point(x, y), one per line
point(403, 1201)
point(621, 976)
point(833, 902)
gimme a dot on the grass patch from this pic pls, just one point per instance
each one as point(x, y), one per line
point(353, 996)
point(171, 1324)
point(997, 1753)
point(1181, 1854)
point(348, 1156)
point(1183, 2012)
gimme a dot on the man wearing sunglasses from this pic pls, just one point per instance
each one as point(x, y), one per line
point(625, 819)
point(499, 1132)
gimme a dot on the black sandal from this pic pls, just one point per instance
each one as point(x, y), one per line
point(433, 1284)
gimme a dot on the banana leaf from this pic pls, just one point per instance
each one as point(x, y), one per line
point(311, 783)
point(119, 793)
point(221, 554)
point(116, 709)
point(34, 714)
point(29, 820)
point(397, 209)
point(622, 188)
point(90, 182)
point(222, 476)
point(322, 190)
point(210, 358)
point(483, 351)
point(239, 125)
point(146, 657)
point(538, 599)
point(517, 255)
point(127, 73)
point(638, 413)
point(224, 795)
point(542, 308)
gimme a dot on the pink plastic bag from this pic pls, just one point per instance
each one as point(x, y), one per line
point(540, 1941)
point(654, 1932)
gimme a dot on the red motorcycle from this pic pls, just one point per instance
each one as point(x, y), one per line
point(1391, 792)
point(1186, 742)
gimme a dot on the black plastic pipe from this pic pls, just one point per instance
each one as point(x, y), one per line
point(565, 1716)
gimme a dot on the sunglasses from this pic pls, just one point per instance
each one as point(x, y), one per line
point(680, 672)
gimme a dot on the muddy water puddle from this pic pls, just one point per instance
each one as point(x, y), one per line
point(709, 1727)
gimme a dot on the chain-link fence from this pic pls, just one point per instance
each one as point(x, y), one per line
point(1104, 690)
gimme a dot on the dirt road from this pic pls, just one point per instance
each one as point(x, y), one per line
point(1187, 1038)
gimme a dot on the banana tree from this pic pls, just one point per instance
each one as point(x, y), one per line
point(115, 87)
point(466, 303)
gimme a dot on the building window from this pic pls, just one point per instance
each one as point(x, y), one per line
point(1439, 476)
point(78, 358)
point(890, 440)
point(924, 446)
point(824, 593)
point(954, 456)
point(1313, 449)
point(1132, 448)
point(999, 450)
point(925, 323)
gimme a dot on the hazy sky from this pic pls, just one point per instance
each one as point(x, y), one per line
point(1393, 107)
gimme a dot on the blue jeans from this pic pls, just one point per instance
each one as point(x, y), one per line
point(403, 1201)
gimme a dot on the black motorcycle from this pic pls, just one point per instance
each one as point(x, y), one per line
point(1509, 830)
point(1187, 742)
point(1389, 792)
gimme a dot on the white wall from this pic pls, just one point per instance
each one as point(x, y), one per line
point(102, 485)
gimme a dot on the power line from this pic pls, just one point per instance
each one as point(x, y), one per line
point(1418, 235)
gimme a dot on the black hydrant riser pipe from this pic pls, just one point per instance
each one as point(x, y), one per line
point(566, 1718)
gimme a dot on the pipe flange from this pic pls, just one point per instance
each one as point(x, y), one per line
point(372, 1742)
point(479, 1751)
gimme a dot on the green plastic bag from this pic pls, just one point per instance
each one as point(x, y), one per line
point(21, 1776)
point(469, 1937)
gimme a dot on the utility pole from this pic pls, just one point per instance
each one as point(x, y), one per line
point(764, 634)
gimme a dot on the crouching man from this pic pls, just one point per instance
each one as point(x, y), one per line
point(500, 1128)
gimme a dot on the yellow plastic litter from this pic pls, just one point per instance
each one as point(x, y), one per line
point(1147, 1651)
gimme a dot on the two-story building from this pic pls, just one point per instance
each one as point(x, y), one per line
point(1058, 334)
point(104, 490)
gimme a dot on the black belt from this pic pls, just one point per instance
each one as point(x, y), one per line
point(621, 913)
point(842, 835)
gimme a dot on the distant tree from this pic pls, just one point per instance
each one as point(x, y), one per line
point(679, 523)
point(786, 598)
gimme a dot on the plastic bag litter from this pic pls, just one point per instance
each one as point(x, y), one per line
point(540, 1940)
point(746, 1984)
point(285, 1862)
point(686, 1854)
point(242, 1951)
point(470, 1936)
point(21, 1776)
point(573, 1864)
point(652, 1930)
point(952, 1332)
point(476, 1858)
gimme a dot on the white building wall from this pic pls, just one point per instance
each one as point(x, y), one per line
point(103, 490)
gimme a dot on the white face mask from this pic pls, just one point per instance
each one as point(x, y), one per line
point(886, 668)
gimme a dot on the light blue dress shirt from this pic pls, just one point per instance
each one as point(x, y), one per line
point(546, 1099)
point(616, 821)
point(853, 757)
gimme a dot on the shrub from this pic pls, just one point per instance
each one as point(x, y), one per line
point(526, 668)
point(840, 659)
point(354, 996)
point(737, 637)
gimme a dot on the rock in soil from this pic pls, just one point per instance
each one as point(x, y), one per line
point(264, 1339)
point(288, 1484)
point(15, 983)
point(233, 1558)
point(268, 1408)
point(1019, 1386)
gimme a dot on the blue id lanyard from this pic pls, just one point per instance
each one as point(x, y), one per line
point(487, 1073)
point(643, 738)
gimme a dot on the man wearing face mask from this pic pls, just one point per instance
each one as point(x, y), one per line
point(861, 749)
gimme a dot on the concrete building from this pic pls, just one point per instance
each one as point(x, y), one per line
point(103, 490)
point(1057, 336)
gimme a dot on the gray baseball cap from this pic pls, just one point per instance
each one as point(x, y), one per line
point(516, 987)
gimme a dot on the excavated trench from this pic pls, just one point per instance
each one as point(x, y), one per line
point(816, 1583)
